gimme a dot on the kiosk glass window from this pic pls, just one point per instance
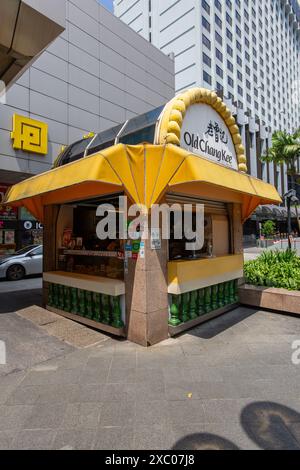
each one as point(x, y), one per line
point(79, 248)
point(216, 233)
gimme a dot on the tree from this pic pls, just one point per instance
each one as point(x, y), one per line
point(268, 228)
point(285, 149)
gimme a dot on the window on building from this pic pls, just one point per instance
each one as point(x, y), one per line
point(206, 77)
point(219, 71)
point(206, 59)
point(206, 41)
point(219, 55)
point(205, 24)
point(206, 6)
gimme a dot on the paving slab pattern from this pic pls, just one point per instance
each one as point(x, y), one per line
point(226, 384)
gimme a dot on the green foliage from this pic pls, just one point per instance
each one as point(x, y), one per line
point(285, 149)
point(268, 228)
point(274, 269)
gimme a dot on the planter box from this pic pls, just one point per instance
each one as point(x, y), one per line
point(272, 298)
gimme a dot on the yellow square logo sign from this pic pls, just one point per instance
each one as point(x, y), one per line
point(29, 135)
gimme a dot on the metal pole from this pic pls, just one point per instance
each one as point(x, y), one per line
point(289, 224)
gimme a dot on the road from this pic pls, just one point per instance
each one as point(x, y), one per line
point(20, 294)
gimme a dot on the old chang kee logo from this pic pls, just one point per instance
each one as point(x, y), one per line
point(214, 135)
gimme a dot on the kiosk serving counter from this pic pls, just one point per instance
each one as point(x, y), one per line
point(151, 288)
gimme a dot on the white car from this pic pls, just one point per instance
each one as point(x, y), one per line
point(24, 262)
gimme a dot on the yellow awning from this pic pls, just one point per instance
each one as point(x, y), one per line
point(144, 172)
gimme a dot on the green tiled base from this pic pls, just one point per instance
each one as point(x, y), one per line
point(100, 308)
point(192, 305)
point(175, 330)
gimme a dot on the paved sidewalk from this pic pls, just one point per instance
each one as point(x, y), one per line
point(229, 383)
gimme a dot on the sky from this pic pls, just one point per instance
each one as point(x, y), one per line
point(107, 4)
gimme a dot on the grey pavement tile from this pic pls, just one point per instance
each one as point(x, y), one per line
point(86, 393)
point(112, 392)
point(154, 374)
point(151, 412)
point(41, 439)
point(211, 390)
point(25, 395)
point(207, 374)
point(177, 374)
point(14, 417)
point(91, 376)
point(45, 417)
point(183, 390)
point(55, 394)
point(34, 377)
point(222, 410)
point(150, 391)
point(117, 414)
point(115, 438)
point(195, 348)
point(6, 439)
point(120, 375)
point(238, 372)
point(152, 437)
point(12, 379)
point(99, 363)
point(126, 361)
point(75, 439)
point(82, 415)
point(5, 392)
point(186, 412)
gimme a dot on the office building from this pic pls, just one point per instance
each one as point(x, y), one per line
point(96, 74)
point(247, 50)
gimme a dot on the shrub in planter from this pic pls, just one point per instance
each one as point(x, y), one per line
point(274, 269)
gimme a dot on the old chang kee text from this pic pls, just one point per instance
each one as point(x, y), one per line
point(197, 143)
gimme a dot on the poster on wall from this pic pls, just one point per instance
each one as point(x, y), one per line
point(6, 212)
point(9, 237)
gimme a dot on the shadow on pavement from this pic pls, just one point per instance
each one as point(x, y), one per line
point(271, 426)
point(16, 300)
point(204, 441)
point(215, 326)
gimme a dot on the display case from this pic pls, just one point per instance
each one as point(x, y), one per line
point(80, 251)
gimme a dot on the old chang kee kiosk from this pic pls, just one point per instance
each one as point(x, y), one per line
point(147, 290)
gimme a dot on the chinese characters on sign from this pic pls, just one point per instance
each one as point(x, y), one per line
point(29, 135)
point(214, 130)
point(205, 133)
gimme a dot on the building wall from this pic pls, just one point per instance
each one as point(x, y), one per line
point(247, 50)
point(96, 74)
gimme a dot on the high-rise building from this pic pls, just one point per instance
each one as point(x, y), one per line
point(96, 74)
point(247, 49)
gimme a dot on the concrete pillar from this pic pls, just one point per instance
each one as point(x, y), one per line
point(146, 296)
point(49, 244)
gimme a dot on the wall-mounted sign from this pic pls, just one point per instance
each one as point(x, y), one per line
point(29, 135)
point(204, 133)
